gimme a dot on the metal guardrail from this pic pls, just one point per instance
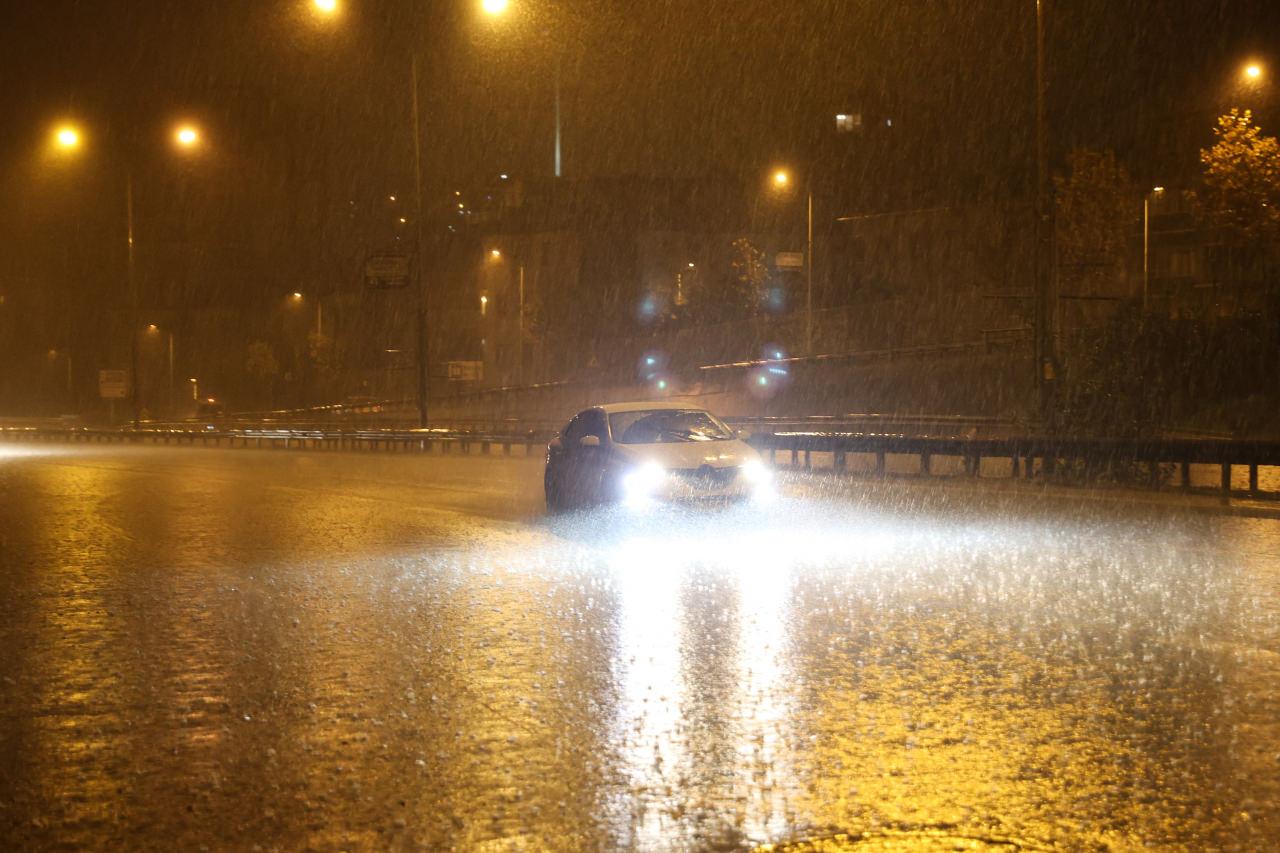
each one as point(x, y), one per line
point(1029, 454)
point(288, 438)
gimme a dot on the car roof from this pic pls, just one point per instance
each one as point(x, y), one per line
point(651, 405)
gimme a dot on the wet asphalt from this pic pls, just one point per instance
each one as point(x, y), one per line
point(252, 649)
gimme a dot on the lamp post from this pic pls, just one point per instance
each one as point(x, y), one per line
point(782, 182)
point(499, 8)
point(1157, 192)
point(68, 139)
point(496, 256)
point(153, 329)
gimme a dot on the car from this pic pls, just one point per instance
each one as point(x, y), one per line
point(637, 455)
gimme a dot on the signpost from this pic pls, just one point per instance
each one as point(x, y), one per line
point(466, 371)
point(790, 260)
point(113, 384)
point(386, 272)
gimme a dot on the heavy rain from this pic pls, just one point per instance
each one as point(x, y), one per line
point(585, 425)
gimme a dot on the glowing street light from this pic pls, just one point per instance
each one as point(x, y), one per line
point(781, 180)
point(495, 253)
point(1253, 71)
point(326, 7)
point(494, 7)
point(186, 136)
point(67, 137)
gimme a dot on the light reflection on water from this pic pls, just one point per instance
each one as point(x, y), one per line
point(224, 660)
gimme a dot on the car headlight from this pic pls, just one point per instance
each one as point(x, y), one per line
point(640, 483)
point(757, 473)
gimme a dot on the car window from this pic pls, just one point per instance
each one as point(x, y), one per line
point(593, 423)
point(661, 426)
point(573, 431)
point(590, 422)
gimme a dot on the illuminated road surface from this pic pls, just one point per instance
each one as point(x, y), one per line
point(230, 648)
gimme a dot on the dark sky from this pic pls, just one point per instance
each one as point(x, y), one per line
point(660, 87)
point(304, 116)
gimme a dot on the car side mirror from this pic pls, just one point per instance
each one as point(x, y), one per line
point(589, 441)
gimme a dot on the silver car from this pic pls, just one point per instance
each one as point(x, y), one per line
point(640, 454)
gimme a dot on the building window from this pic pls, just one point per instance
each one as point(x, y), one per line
point(848, 122)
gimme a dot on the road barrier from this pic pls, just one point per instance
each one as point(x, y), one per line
point(1090, 458)
point(291, 438)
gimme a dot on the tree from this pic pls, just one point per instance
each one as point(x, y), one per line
point(728, 295)
point(1241, 196)
point(1096, 210)
point(261, 364)
point(750, 276)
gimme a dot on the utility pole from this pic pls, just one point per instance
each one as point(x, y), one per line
point(558, 172)
point(808, 265)
point(133, 300)
point(1044, 313)
point(419, 260)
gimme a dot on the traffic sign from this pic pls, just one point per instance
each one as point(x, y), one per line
point(466, 371)
point(386, 271)
point(113, 384)
point(790, 260)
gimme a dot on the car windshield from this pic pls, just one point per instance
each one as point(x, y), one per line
point(659, 426)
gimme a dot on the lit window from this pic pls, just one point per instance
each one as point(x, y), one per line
point(848, 122)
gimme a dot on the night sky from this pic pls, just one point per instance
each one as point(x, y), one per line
point(306, 120)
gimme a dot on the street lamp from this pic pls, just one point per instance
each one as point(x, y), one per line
point(186, 136)
point(67, 137)
point(296, 298)
point(153, 330)
point(1252, 72)
point(497, 9)
point(496, 256)
point(1157, 192)
point(326, 7)
point(781, 180)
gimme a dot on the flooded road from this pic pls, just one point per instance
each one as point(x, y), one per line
point(237, 648)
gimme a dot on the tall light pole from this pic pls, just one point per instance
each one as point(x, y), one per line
point(329, 9)
point(1146, 243)
point(1043, 302)
point(496, 256)
point(498, 8)
point(782, 181)
point(69, 139)
point(420, 288)
point(153, 329)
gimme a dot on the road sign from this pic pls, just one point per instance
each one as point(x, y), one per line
point(113, 384)
point(790, 260)
point(386, 271)
point(466, 371)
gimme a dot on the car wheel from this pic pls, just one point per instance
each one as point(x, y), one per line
point(555, 499)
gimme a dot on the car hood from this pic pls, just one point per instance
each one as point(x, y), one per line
point(690, 454)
